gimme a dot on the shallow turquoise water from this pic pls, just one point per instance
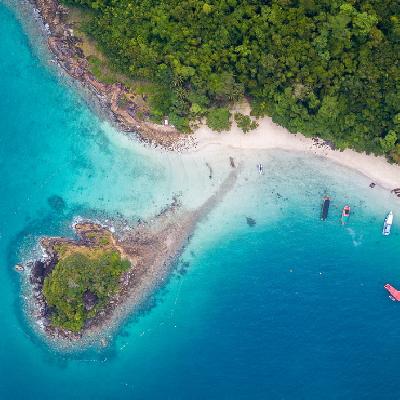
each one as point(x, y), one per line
point(291, 308)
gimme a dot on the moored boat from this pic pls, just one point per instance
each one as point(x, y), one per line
point(387, 224)
point(260, 168)
point(394, 293)
point(325, 208)
point(345, 214)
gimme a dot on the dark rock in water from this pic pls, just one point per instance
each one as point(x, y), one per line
point(89, 300)
point(56, 203)
point(38, 272)
point(372, 185)
point(184, 268)
point(250, 222)
point(19, 267)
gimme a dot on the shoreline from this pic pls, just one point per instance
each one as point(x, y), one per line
point(64, 46)
point(112, 99)
point(270, 136)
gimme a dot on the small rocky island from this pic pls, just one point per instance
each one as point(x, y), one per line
point(84, 286)
point(78, 279)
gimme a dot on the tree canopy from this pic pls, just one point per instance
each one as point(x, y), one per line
point(79, 275)
point(328, 67)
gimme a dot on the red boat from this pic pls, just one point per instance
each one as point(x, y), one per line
point(345, 214)
point(394, 293)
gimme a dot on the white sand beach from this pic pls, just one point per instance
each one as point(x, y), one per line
point(269, 135)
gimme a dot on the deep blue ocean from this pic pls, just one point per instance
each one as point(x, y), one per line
point(289, 308)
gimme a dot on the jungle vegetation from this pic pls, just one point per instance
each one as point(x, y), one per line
point(328, 67)
point(81, 285)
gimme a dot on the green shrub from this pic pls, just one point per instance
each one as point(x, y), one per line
point(245, 123)
point(218, 119)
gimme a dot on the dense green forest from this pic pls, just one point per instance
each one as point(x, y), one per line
point(321, 67)
point(81, 276)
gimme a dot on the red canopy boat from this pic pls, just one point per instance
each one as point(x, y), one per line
point(345, 214)
point(394, 293)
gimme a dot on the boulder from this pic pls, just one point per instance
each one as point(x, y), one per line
point(38, 272)
point(56, 203)
point(19, 267)
point(250, 221)
point(90, 300)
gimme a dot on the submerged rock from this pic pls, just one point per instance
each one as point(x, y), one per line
point(183, 268)
point(251, 222)
point(56, 203)
point(19, 267)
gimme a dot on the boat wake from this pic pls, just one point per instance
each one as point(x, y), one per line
point(357, 241)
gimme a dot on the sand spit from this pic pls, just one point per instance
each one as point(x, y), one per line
point(152, 247)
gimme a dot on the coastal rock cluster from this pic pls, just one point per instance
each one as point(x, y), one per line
point(39, 270)
point(323, 144)
point(69, 56)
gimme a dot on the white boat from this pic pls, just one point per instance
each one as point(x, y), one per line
point(387, 225)
point(260, 168)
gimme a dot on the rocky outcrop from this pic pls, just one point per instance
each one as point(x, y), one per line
point(38, 273)
point(89, 300)
point(69, 56)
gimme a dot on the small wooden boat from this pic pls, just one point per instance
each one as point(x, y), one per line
point(325, 208)
point(345, 214)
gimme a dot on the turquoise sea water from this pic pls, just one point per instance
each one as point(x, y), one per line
point(290, 308)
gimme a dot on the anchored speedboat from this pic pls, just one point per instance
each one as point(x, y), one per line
point(260, 168)
point(387, 224)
